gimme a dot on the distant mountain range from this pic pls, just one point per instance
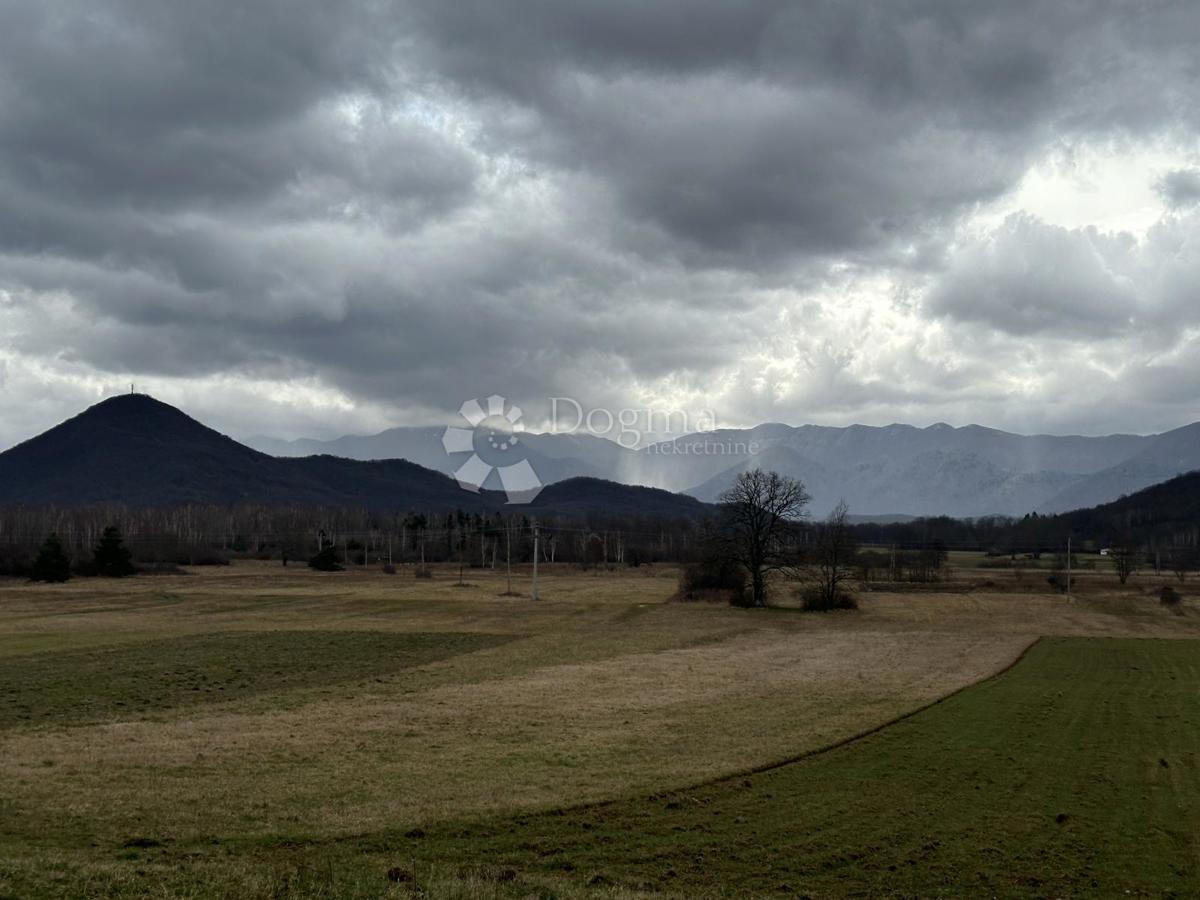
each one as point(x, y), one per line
point(890, 471)
point(138, 451)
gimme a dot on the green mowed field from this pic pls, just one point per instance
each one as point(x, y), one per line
point(1073, 774)
point(84, 686)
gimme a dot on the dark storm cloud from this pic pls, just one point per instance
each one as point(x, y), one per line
point(765, 128)
point(761, 129)
point(415, 201)
point(155, 108)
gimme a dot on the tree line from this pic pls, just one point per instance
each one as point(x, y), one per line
point(159, 538)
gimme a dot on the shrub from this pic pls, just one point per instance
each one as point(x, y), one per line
point(51, 564)
point(814, 599)
point(422, 572)
point(325, 561)
point(389, 569)
point(713, 578)
point(1170, 597)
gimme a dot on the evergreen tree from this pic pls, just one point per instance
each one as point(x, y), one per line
point(51, 563)
point(111, 557)
point(326, 560)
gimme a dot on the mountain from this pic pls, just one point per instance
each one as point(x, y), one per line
point(552, 459)
point(420, 445)
point(887, 470)
point(1169, 511)
point(899, 469)
point(1165, 456)
point(138, 451)
point(776, 458)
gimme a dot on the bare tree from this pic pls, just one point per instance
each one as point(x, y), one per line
point(1183, 560)
point(1124, 556)
point(831, 561)
point(759, 515)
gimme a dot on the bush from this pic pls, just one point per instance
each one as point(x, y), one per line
point(422, 572)
point(1169, 597)
point(813, 599)
point(713, 578)
point(1057, 582)
point(325, 561)
point(389, 569)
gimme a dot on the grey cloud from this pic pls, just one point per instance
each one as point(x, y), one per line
point(1029, 278)
point(1180, 188)
point(202, 107)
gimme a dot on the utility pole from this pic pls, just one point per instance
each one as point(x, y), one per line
point(508, 555)
point(535, 558)
point(1068, 568)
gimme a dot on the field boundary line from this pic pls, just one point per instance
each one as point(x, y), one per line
point(874, 729)
point(720, 779)
point(807, 754)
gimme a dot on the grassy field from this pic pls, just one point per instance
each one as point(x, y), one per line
point(78, 687)
point(1084, 563)
point(257, 731)
point(1078, 772)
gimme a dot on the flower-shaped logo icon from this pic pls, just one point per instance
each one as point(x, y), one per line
point(495, 433)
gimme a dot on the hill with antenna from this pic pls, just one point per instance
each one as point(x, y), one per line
point(138, 451)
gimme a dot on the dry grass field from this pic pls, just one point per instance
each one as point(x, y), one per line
point(156, 732)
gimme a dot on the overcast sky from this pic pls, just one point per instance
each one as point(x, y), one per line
point(302, 217)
